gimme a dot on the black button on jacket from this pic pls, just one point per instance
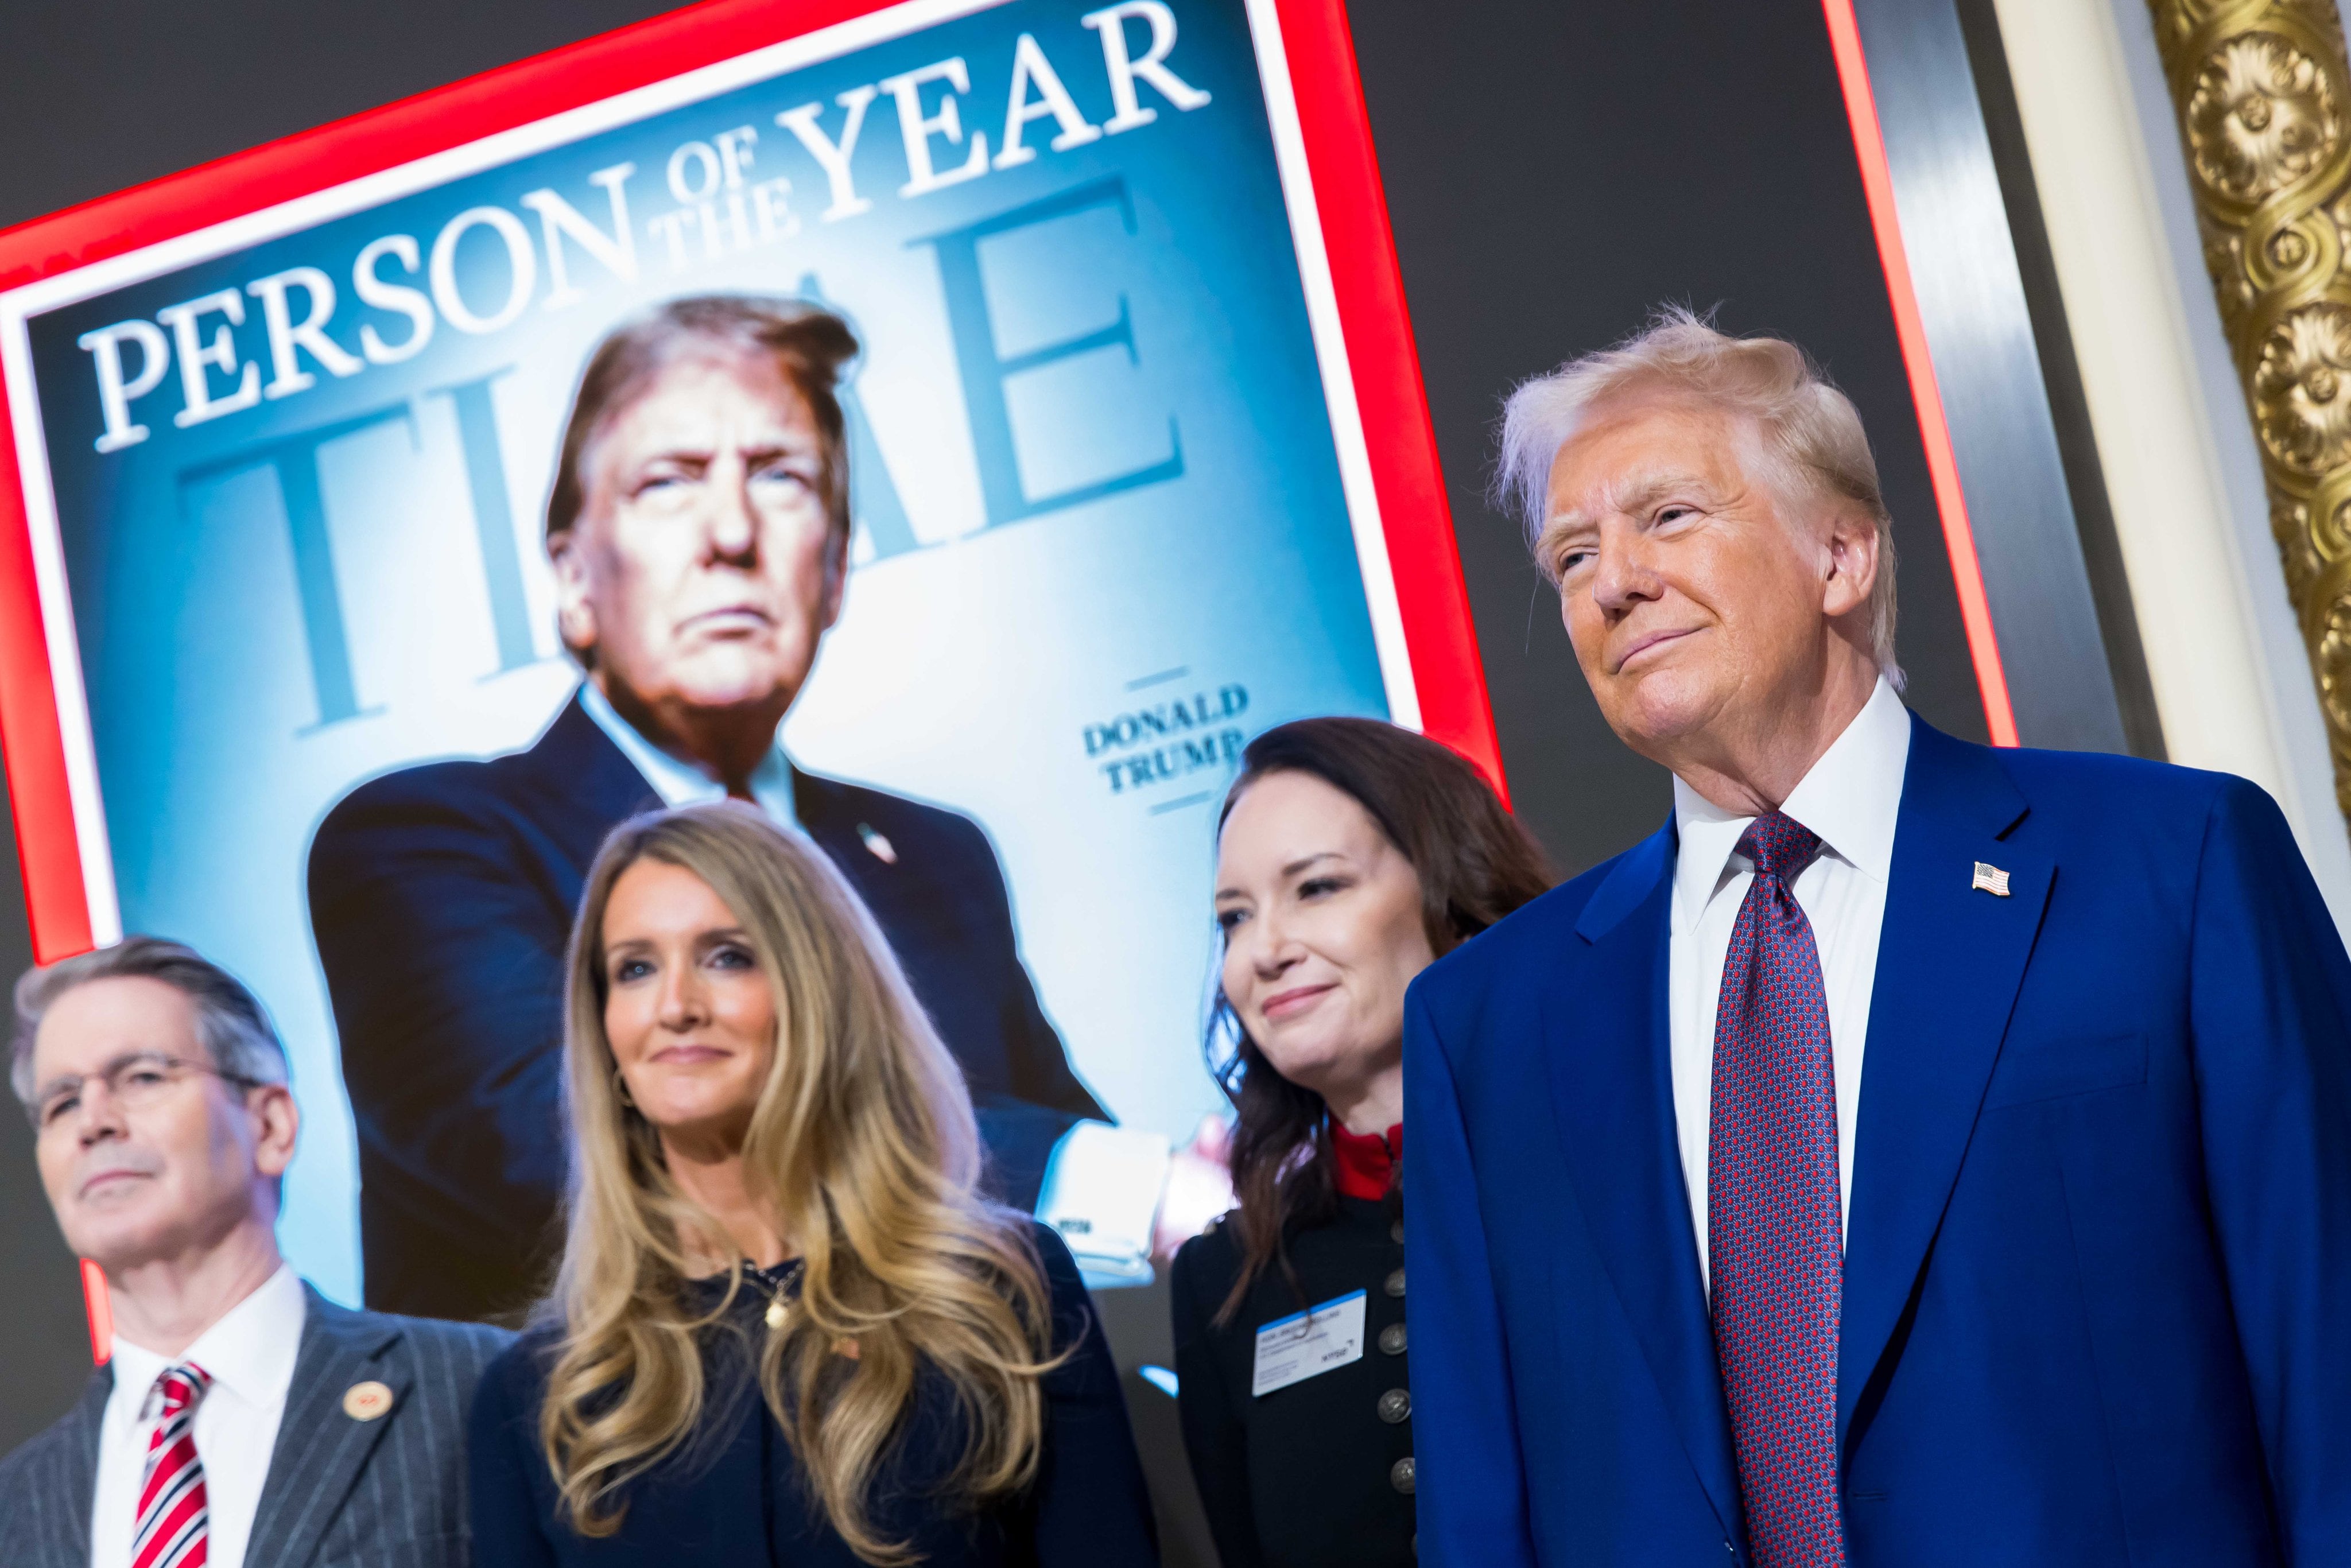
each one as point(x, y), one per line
point(1307, 1476)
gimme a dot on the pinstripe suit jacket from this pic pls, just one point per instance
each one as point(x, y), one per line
point(340, 1493)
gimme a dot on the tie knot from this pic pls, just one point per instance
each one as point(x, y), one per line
point(181, 1386)
point(1780, 846)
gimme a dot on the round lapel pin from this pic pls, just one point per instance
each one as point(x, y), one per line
point(366, 1401)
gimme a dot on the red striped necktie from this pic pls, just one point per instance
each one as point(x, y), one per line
point(173, 1512)
point(1775, 1240)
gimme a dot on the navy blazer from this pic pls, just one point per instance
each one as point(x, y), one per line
point(441, 897)
point(2097, 1268)
point(733, 1494)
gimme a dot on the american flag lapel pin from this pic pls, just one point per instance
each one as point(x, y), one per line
point(888, 855)
point(1990, 879)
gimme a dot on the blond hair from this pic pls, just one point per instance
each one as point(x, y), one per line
point(1810, 434)
point(862, 1140)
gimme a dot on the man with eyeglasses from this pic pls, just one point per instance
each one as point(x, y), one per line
point(243, 1418)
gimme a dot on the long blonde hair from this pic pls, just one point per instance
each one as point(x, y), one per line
point(862, 1140)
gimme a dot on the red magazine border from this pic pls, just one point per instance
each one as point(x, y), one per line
point(1440, 642)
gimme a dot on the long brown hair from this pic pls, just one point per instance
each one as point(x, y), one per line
point(1475, 864)
point(862, 1140)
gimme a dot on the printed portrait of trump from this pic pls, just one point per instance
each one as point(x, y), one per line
point(699, 528)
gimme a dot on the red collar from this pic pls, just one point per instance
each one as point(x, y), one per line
point(1366, 1162)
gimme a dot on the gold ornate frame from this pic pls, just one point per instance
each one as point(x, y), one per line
point(2261, 89)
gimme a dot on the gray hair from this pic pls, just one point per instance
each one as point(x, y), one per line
point(229, 1017)
point(1809, 431)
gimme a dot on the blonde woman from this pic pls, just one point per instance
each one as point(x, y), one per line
point(786, 1328)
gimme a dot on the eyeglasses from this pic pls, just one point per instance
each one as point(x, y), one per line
point(134, 1082)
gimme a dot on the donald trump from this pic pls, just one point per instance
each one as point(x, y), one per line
point(698, 526)
point(1913, 1154)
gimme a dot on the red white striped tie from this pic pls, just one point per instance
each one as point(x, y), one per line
point(173, 1511)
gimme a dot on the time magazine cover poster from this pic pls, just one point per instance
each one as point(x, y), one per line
point(287, 480)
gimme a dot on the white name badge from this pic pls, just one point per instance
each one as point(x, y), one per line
point(1295, 1348)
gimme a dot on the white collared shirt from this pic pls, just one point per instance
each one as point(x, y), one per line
point(679, 783)
point(249, 1354)
point(1851, 799)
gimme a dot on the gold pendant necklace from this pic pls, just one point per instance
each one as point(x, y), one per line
point(777, 1281)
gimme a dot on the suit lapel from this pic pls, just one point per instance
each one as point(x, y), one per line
point(72, 1478)
point(830, 820)
point(320, 1449)
point(1612, 1077)
point(1951, 959)
point(585, 784)
point(817, 803)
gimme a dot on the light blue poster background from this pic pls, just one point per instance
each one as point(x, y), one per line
point(1100, 538)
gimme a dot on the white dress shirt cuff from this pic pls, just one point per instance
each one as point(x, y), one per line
point(1102, 1192)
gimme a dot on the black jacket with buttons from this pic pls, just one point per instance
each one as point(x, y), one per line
point(1317, 1474)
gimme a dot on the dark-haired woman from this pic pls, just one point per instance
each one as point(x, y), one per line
point(1350, 856)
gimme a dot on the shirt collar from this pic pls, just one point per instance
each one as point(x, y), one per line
point(250, 1350)
point(1852, 798)
point(679, 783)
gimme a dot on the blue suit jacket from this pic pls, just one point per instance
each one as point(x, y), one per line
point(441, 899)
point(2098, 1270)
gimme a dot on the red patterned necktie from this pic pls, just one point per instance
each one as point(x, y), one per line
point(1775, 1246)
point(173, 1511)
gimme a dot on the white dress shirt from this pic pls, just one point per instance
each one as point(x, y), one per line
point(250, 1355)
point(1103, 1184)
point(1851, 799)
point(679, 783)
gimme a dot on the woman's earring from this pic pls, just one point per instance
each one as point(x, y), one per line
point(621, 1087)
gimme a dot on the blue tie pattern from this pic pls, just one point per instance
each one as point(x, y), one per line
point(1775, 1245)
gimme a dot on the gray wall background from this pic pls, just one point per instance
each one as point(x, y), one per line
point(1554, 171)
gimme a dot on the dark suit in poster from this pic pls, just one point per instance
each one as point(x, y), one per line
point(441, 898)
